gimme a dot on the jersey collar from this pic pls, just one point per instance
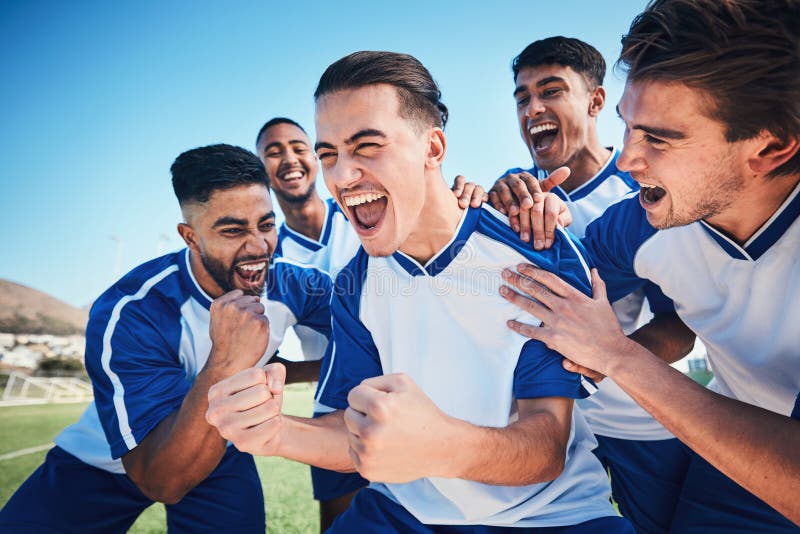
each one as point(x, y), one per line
point(185, 268)
point(769, 233)
point(607, 170)
point(440, 261)
point(330, 209)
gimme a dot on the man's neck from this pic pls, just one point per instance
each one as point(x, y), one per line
point(586, 163)
point(754, 206)
point(204, 280)
point(305, 218)
point(437, 223)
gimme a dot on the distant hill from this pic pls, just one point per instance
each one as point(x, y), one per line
point(27, 311)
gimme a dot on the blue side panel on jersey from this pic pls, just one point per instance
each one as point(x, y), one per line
point(659, 302)
point(561, 259)
point(796, 411)
point(612, 241)
point(143, 352)
point(352, 355)
point(305, 290)
point(539, 373)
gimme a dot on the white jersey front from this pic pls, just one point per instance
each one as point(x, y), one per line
point(444, 324)
point(338, 243)
point(743, 302)
point(611, 412)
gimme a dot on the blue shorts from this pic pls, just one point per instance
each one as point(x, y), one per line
point(712, 503)
point(329, 485)
point(646, 479)
point(67, 495)
point(375, 513)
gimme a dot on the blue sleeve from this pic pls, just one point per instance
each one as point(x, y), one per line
point(132, 360)
point(539, 373)
point(612, 241)
point(306, 291)
point(351, 355)
point(659, 302)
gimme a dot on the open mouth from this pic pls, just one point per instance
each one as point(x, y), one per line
point(292, 176)
point(251, 275)
point(543, 135)
point(368, 209)
point(651, 194)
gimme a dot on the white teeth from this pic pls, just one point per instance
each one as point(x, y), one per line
point(292, 175)
point(253, 267)
point(543, 128)
point(355, 200)
point(647, 186)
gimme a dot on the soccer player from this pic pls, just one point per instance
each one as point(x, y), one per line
point(156, 341)
point(559, 94)
point(316, 232)
point(452, 419)
point(712, 114)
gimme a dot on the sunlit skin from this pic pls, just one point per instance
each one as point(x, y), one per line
point(365, 146)
point(287, 155)
point(672, 143)
point(556, 95)
point(233, 232)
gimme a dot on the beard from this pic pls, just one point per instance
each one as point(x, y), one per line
point(296, 198)
point(223, 274)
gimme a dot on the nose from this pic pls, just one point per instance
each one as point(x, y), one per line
point(344, 173)
point(630, 158)
point(535, 108)
point(256, 244)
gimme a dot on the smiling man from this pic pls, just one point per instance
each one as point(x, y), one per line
point(712, 134)
point(558, 91)
point(454, 421)
point(156, 341)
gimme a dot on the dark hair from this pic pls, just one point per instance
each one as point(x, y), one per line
point(581, 57)
point(277, 120)
point(420, 97)
point(199, 172)
point(743, 54)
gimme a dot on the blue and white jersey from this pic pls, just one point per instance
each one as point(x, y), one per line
point(444, 324)
point(337, 244)
point(611, 412)
point(741, 301)
point(148, 338)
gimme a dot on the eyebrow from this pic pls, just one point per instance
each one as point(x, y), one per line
point(233, 221)
point(292, 142)
point(367, 132)
point(666, 133)
point(540, 83)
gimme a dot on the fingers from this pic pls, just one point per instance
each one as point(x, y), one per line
point(550, 281)
point(598, 286)
point(521, 188)
point(458, 186)
point(533, 308)
point(531, 288)
point(573, 367)
point(552, 206)
point(505, 197)
point(539, 333)
point(355, 421)
point(555, 178)
point(238, 382)
point(564, 216)
point(478, 196)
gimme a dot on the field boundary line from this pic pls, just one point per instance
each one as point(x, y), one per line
point(23, 452)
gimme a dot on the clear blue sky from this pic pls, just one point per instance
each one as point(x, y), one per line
point(98, 98)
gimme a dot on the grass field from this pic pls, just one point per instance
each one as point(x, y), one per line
point(287, 485)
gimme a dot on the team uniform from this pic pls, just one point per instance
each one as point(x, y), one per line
point(647, 464)
point(147, 339)
point(338, 243)
point(444, 324)
point(742, 302)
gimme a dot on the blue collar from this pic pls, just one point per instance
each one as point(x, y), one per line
point(769, 233)
point(330, 209)
point(608, 170)
point(185, 268)
point(444, 257)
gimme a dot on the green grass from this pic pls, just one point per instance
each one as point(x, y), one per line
point(287, 485)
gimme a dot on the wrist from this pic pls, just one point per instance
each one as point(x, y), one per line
point(619, 359)
point(454, 448)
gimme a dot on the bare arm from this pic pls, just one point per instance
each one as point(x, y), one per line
point(755, 447)
point(397, 434)
point(182, 450)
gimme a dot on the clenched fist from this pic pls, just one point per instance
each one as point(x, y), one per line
point(246, 408)
point(239, 331)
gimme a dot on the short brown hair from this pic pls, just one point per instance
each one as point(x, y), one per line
point(420, 97)
point(744, 54)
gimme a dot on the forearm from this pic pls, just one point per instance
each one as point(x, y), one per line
point(321, 441)
point(526, 452)
point(755, 447)
point(299, 371)
point(181, 451)
point(665, 336)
